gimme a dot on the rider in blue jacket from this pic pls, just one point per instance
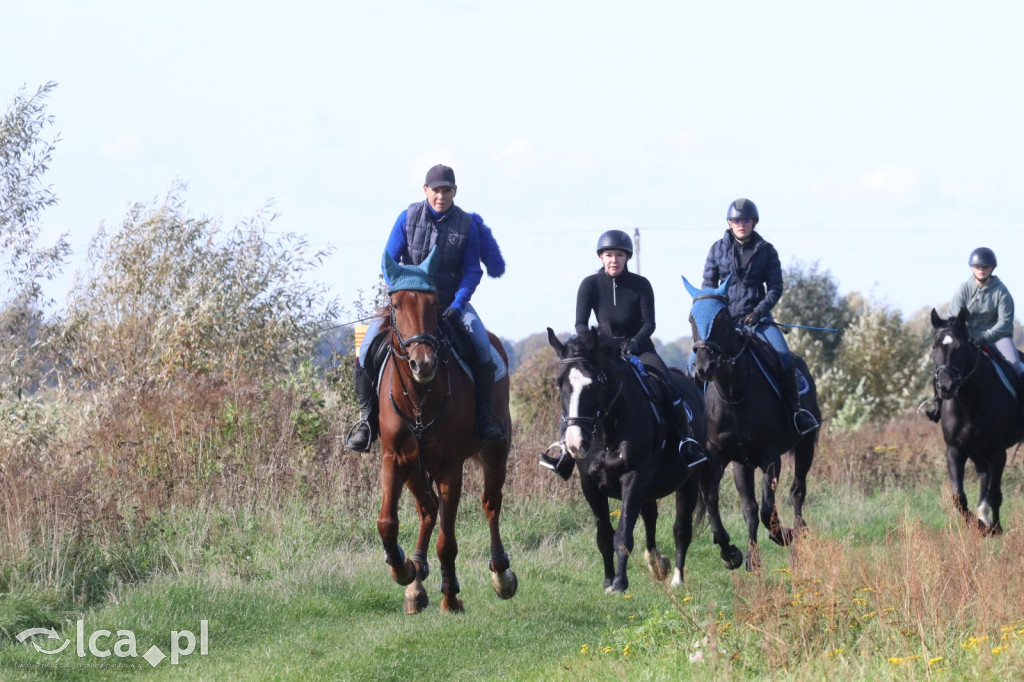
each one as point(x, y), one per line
point(754, 289)
point(461, 240)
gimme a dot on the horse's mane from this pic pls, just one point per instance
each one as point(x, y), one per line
point(593, 346)
point(951, 325)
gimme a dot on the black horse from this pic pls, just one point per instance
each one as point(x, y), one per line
point(749, 423)
point(980, 416)
point(620, 448)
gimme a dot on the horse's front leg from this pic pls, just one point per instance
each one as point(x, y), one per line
point(449, 485)
point(599, 507)
point(710, 477)
point(657, 563)
point(955, 463)
point(743, 476)
point(779, 534)
point(416, 599)
point(632, 500)
point(494, 461)
point(392, 478)
point(990, 496)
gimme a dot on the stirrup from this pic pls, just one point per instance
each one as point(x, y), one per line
point(561, 465)
point(357, 447)
point(796, 422)
point(703, 457)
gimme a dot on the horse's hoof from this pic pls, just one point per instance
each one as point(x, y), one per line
point(406, 575)
point(452, 605)
point(677, 579)
point(783, 537)
point(732, 558)
point(416, 599)
point(505, 583)
point(617, 587)
point(658, 564)
point(753, 563)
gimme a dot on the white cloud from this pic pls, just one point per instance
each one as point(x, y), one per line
point(898, 181)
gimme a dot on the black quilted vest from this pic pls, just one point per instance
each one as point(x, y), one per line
point(450, 235)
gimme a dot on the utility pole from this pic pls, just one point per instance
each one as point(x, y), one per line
point(636, 247)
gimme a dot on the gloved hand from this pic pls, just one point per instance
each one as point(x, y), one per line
point(629, 347)
point(453, 316)
point(752, 319)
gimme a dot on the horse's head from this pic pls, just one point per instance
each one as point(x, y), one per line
point(953, 353)
point(713, 329)
point(584, 388)
point(413, 307)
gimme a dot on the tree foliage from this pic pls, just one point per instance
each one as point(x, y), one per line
point(169, 292)
point(812, 299)
point(25, 262)
point(882, 368)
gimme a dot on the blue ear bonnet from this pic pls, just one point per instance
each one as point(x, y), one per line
point(409, 277)
point(706, 309)
point(704, 312)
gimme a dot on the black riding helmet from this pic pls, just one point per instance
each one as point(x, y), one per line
point(615, 239)
point(741, 209)
point(982, 257)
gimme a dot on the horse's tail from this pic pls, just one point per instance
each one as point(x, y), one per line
point(700, 512)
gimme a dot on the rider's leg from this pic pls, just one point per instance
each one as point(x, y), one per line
point(483, 377)
point(803, 420)
point(676, 415)
point(364, 431)
point(1009, 351)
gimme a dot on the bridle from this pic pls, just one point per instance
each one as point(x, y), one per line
point(713, 349)
point(400, 349)
point(404, 344)
point(953, 374)
point(590, 424)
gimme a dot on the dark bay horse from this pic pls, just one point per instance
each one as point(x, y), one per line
point(427, 432)
point(620, 450)
point(749, 424)
point(980, 417)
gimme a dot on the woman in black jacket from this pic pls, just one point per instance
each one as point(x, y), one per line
point(623, 304)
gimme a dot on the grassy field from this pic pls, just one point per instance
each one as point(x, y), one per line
point(282, 562)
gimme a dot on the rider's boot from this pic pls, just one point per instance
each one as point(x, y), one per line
point(363, 432)
point(484, 385)
point(803, 420)
point(934, 411)
point(561, 465)
point(679, 423)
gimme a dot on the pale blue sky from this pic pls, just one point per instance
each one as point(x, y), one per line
point(881, 139)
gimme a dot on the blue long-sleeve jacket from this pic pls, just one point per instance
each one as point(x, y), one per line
point(471, 270)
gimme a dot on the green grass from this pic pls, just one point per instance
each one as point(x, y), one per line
point(293, 595)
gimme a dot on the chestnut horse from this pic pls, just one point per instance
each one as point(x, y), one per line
point(427, 432)
point(980, 417)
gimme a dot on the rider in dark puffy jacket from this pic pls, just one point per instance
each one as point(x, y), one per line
point(755, 288)
point(623, 303)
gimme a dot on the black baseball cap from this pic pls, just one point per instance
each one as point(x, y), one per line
point(440, 176)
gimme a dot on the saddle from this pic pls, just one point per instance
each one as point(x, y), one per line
point(656, 388)
point(772, 367)
point(1005, 372)
point(458, 339)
